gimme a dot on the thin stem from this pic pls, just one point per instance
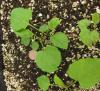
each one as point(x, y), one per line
point(35, 35)
point(33, 27)
point(73, 82)
point(41, 43)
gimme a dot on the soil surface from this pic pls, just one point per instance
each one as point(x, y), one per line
point(20, 72)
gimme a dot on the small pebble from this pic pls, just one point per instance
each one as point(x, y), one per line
point(40, 14)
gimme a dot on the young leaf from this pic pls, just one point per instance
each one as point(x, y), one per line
point(44, 28)
point(34, 45)
point(84, 23)
point(60, 40)
point(20, 18)
point(25, 41)
point(86, 71)
point(85, 38)
point(96, 18)
point(59, 82)
point(24, 33)
point(53, 23)
point(95, 36)
point(48, 59)
point(43, 82)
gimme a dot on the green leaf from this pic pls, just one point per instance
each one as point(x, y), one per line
point(24, 33)
point(53, 23)
point(48, 59)
point(84, 23)
point(20, 18)
point(60, 40)
point(86, 71)
point(25, 41)
point(44, 28)
point(59, 82)
point(89, 38)
point(96, 18)
point(43, 82)
point(35, 45)
point(95, 36)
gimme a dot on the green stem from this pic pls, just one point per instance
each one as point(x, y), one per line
point(71, 84)
point(34, 27)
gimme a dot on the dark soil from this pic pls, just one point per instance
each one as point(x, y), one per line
point(70, 11)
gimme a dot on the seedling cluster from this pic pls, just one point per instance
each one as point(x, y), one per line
point(46, 43)
point(89, 36)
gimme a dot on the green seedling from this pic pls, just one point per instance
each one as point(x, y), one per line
point(88, 37)
point(48, 56)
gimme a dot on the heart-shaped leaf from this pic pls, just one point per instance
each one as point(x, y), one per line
point(86, 71)
point(60, 40)
point(48, 59)
point(43, 82)
point(20, 18)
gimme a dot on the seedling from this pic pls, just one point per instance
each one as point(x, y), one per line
point(88, 37)
point(48, 57)
point(45, 42)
